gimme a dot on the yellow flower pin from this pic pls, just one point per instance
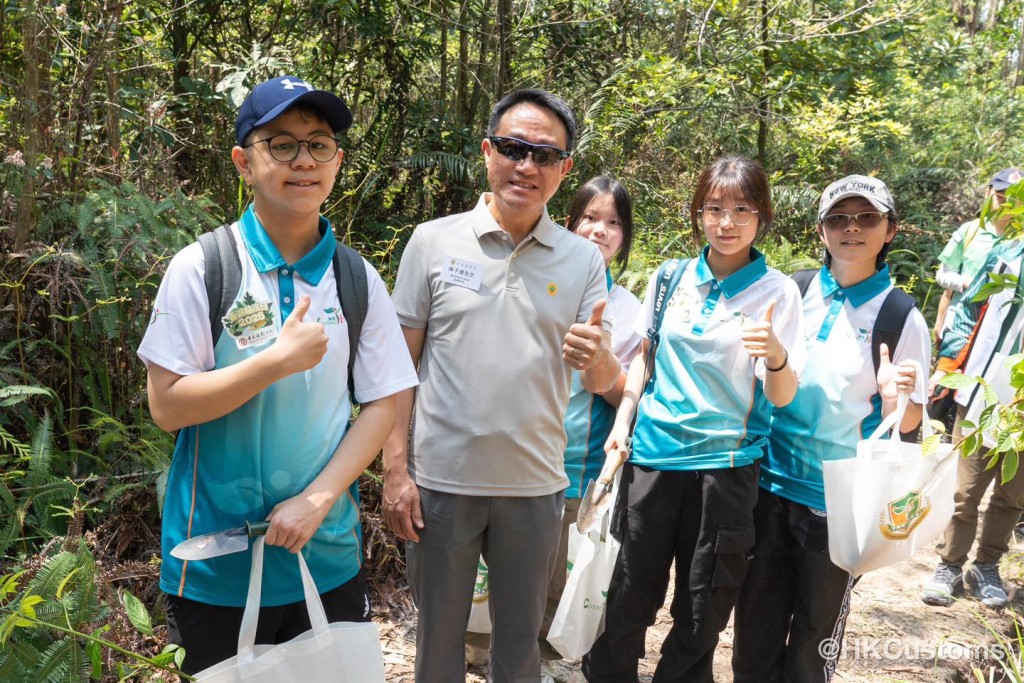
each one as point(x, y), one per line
point(552, 288)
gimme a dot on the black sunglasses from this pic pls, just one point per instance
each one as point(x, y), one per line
point(516, 150)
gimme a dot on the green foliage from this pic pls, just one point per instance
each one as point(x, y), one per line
point(49, 632)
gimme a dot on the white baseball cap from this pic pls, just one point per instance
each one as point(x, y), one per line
point(871, 189)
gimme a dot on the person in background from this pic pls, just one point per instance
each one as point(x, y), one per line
point(959, 263)
point(982, 336)
point(794, 598)
point(968, 248)
point(731, 345)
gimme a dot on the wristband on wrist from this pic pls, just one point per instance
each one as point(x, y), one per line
point(785, 362)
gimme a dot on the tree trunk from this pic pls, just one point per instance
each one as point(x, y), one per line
point(503, 79)
point(991, 14)
point(680, 29)
point(442, 95)
point(764, 105)
point(113, 119)
point(462, 75)
point(1018, 80)
point(481, 65)
point(30, 111)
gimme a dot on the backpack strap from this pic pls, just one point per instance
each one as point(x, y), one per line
point(892, 317)
point(222, 274)
point(671, 273)
point(668, 280)
point(353, 293)
point(803, 279)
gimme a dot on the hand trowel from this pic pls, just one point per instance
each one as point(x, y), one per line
point(219, 542)
point(595, 502)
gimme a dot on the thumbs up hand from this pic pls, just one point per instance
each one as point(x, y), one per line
point(893, 379)
point(760, 341)
point(585, 343)
point(300, 345)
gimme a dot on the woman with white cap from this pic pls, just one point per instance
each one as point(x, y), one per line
point(793, 604)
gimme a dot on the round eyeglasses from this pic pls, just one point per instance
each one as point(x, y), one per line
point(285, 148)
point(741, 215)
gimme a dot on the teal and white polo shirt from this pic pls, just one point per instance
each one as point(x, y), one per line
point(837, 402)
point(706, 408)
point(238, 467)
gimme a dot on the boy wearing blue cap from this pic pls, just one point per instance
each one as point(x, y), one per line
point(262, 405)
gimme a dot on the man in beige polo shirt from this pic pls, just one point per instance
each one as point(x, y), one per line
point(498, 306)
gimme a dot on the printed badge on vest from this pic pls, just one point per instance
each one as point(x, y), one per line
point(250, 322)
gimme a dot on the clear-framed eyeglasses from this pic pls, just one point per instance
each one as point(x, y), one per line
point(740, 215)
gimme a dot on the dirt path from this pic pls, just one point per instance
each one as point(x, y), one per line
point(891, 634)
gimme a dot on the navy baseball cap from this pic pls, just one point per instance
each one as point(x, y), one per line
point(270, 99)
point(1002, 180)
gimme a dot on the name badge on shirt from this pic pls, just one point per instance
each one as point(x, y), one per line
point(462, 273)
point(250, 322)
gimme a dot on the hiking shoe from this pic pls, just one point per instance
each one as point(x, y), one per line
point(946, 584)
point(982, 579)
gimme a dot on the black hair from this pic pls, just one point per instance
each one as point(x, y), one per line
point(541, 98)
point(304, 108)
point(733, 173)
point(597, 187)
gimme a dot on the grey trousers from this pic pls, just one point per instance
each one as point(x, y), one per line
point(518, 538)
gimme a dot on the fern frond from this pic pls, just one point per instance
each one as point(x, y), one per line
point(56, 664)
point(453, 165)
point(14, 394)
point(42, 447)
point(21, 451)
point(10, 527)
point(49, 577)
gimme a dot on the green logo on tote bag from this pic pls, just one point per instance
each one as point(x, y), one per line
point(902, 515)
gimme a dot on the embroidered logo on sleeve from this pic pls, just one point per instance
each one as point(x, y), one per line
point(250, 322)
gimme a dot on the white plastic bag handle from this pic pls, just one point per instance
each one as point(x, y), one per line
point(250, 618)
point(895, 418)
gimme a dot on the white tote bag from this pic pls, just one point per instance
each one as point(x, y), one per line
point(889, 501)
point(579, 619)
point(343, 652)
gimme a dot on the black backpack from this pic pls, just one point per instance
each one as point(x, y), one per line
point(223, 278)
